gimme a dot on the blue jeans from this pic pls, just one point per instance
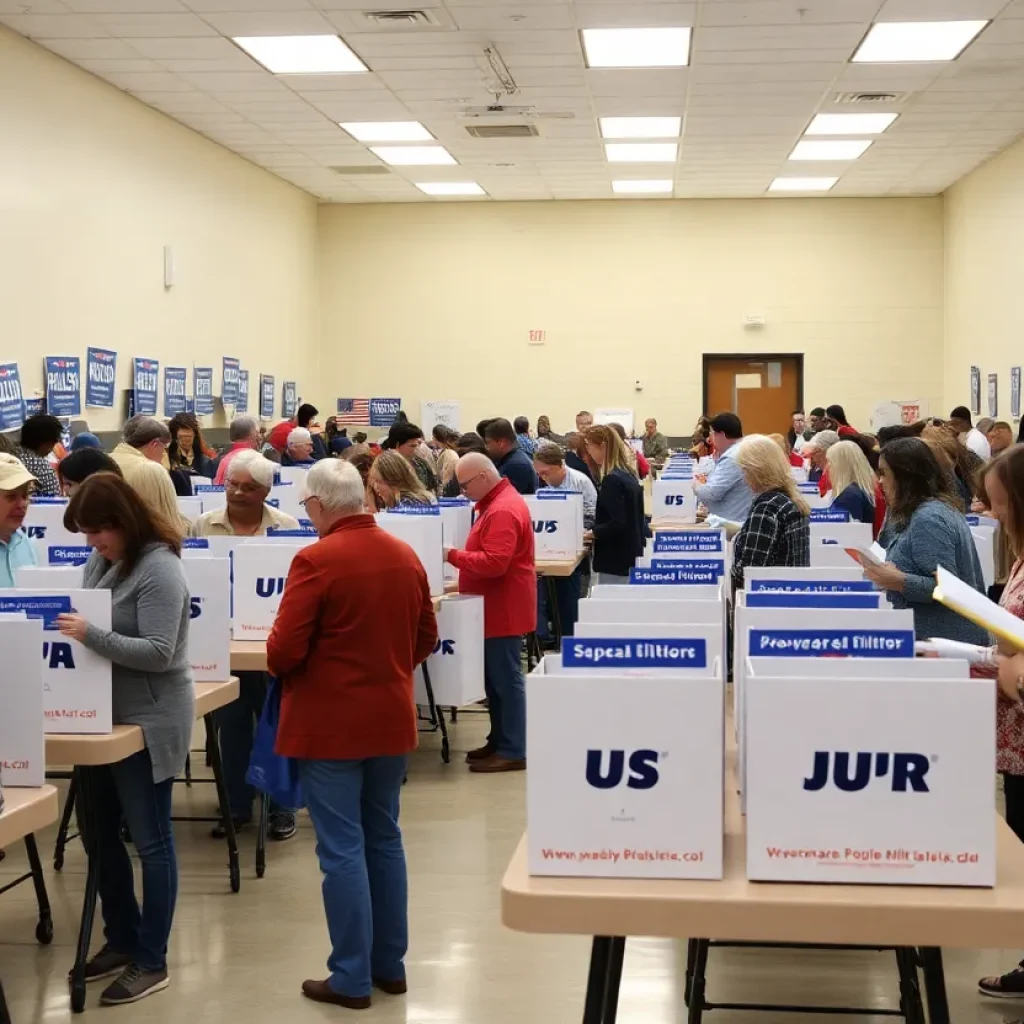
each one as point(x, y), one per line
point(505, 688)
point(127, 790)
point(354, 809)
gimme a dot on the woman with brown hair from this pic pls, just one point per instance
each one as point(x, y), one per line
point(956, 460)
point(393, 482)
point(136, 557)
point(188, 450)
point(447, 458)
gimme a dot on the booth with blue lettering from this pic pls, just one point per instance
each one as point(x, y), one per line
point(700, 547)
point(672, 499)
point(22, 757)
point(557, 524)
point(829, 541)
point(456, 522)
point(211, 495)
point(190, 508)
point(259, 570)
point(288, 496)
point(44, 524)
point(209, 630)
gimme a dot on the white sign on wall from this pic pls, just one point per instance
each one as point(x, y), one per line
point(260, 572)
point(624, 417)
point(447, 412)
point(22, 754)
point(456, 666)
point(209, 630)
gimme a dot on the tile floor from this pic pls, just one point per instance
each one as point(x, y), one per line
point(242, 957)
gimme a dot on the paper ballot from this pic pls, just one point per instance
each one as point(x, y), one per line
point(871, 557)
point(966, 601)
point(942, 648)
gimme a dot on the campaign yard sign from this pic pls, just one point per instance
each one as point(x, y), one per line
point(242, 404)
point(145, 373)
point(202, 389)
point(12, 403)
point(267, 392)
point(64, 386)
point(230, 367)
point(383, 411)
point(174, 389)
point(100, 375)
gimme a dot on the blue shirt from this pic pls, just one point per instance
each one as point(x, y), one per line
point(726, 494)
point(526, 443)
point(576, 481)
point(16, 553)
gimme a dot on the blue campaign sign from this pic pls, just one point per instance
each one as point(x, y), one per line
point(37, 607)
point(229, 381)
point(77, 554)
point(202, 388)
point(302, 531)
point(100, 374)
point(208, 489)
point(679, 574)
point(64, 385)
point(289, 399)
point(12, 404)
point(415, 510)
point(713, 566)
point(829, 515)
point(145, 374)
point(775, 599)
point(174, 389)
point(196, 542)
point(452, 502)
point(687, 540)
point(818, 643)
point(242, 405)
point(578, 652)
point(799, 586)
point(383, 411)
point(35, 407)
point(267, 392)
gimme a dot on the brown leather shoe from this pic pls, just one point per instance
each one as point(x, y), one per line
point(494, 763)
point(391, 988)
point(321, 992)
point(480, 754)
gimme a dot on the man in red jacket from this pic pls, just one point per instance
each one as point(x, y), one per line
point(498, 564)
point(355, 620)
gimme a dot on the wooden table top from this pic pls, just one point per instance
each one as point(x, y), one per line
point(26, 811)
point(562, 567)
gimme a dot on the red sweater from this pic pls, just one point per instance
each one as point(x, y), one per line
point(498, 563)
point(355, 620)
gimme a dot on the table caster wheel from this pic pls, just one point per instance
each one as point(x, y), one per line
point(261, 865)
point(236, 879)
point(77, 997)
point(58, 861)
point(44, 930)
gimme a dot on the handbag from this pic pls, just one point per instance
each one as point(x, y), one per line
point(268, 771)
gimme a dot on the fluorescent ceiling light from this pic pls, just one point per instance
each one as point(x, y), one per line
point(636, 47)
point(642, 187)
point(387, 131)
point(302, 55)
point(833, 149)
point(850, 124)
point(896, 42)
point(413, 156)
point(802, 184)
point(640, 127)
point(641, 152)
point(450, 188)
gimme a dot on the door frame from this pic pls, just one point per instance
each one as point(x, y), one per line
point(749, 356)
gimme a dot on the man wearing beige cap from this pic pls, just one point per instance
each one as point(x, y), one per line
point(16, 484)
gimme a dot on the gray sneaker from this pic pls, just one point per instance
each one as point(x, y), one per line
point(134, 984)
point(105, 964)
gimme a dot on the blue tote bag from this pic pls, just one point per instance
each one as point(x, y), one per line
point(268, 772)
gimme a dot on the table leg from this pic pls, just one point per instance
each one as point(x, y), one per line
point(691, 959)
point(44, 929)
point(695, 1013)
point(556, 613)
point(5, 1016)
point(611, 1001)
point(65, 825)
point(935, 985)
point(597, 980)
point(910, 991)
point(436, 714)
point(89, 827)
point(213, 747)
point(261, 836)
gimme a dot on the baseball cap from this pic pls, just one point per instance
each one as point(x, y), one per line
point(13, 473)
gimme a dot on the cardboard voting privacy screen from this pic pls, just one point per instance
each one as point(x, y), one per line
point(44, 521)
point(209, 628)
point(557, 524)
point(673, 500)
point(260, 571)
point(422, 532)
point(22, 757)
point(457, 665)
point(76, 681)
point(872, 780)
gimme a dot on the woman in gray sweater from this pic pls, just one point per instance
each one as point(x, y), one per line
point(137, 558)
point(924, 529)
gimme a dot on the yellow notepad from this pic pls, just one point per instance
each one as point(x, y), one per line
point(966, 601)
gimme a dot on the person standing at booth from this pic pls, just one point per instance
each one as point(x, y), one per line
point(136, 556)
point(355, 620)
point(855, 488)
point(244, 434)
point(512, 461)
point(724, 491)
point(498, 564)
point(16, 550)
point(655, 444)
point(39, 436)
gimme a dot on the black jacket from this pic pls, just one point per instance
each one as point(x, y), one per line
point(517, 468)
point(619, 525)
point(575, 462)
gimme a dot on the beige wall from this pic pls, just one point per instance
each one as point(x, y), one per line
point(984, 277)
point(436, 301)
point(93, 184)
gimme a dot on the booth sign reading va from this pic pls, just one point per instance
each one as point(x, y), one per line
point(578, 652)
point(813, 643)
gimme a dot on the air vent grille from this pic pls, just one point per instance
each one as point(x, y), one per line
point(361, 169)
point(502, 131)
point(870, 98)
point(411, 18)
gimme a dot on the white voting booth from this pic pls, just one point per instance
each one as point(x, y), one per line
point(456, 665)
point(22, 746)
point(260, 569)
point(44, 524)
point(209, 630)
point(672, 499)
point(456, 522)
point(420, 527)
point(557, 524)
point(211, 495)
point(190, 508)
point(48, 576)
point(700, 548)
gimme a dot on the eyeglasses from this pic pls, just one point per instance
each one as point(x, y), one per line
point(305, 501)
point(465, 486)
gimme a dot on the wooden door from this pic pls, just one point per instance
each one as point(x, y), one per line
point(762, 390)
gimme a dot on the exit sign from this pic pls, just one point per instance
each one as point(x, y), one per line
point(538, 337)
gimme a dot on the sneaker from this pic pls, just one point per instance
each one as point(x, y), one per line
point(480, 754)
point(1005, 986)
point(134, 984)
point(105, 964)
point(282, 827)
point(219, 832)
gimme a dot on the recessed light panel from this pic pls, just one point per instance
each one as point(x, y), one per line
point(802, 184)
point(413, 156)
point(641, 152)
point(831, 149)
point(850, 124)
point(450, 188)
point(898, 42)
point(640, 127)
point(659, 185)
point(636, 47)
point(302, 55)
point(387, 131)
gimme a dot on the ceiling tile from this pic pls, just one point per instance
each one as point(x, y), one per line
point(55, 26)
point(301, 22)
point(154, 26)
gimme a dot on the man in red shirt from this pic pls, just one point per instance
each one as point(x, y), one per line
point(498, 564)
point(244, 434)
point(355, 620)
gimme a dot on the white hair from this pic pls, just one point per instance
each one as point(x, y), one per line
point(259, 468)
point(299, 435)
point(243, 427)
point(337, 484)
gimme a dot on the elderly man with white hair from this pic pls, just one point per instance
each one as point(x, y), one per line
point(498, 563)
point(299, 449)
point(244, 434)
point(245, 514)
point(355, 620)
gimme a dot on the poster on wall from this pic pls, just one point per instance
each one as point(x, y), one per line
point(100, 372)
point(267, 392)
point(896, 413)
point(229, 381)
point(446, 412)
point(34, 407)
point(174, 389)
point(383, 411)
point(242, 405)
point(353, 412)
point(64, 385)
point(202, 387)
point(12, 405)
point(623, 416)
point(993, 395)
point(144, 381)
point(976, 390)
point(1015, 392)
point(289, 399)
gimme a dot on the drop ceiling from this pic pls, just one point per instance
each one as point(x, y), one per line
point(759, 71)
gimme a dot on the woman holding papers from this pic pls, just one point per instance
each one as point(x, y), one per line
point(136, 557)
point(855, 486)
point(923, 530)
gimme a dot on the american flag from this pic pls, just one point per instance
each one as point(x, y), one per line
point(353, 411)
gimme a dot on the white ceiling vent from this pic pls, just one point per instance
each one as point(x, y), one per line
point(361, 169)
point(412, 18)
point(502, 131)
point(870, 98)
